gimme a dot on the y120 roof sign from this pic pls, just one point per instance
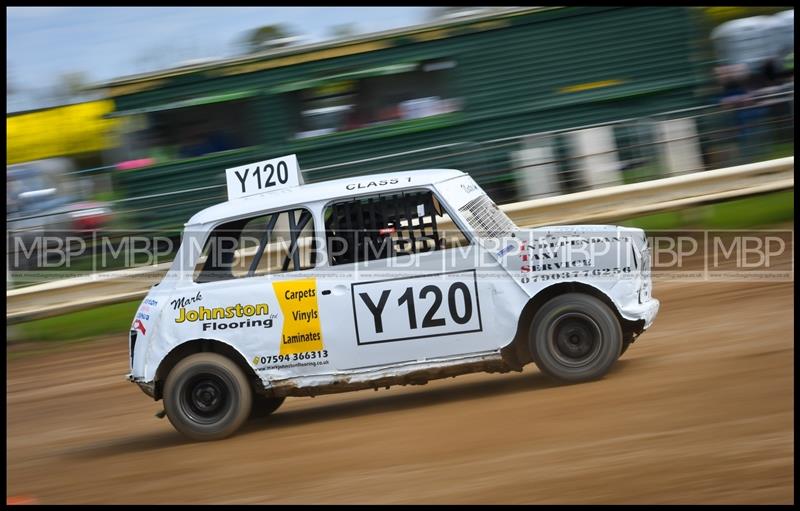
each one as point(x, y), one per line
point(263, 176)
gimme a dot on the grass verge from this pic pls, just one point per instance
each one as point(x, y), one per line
point(108, 319)
point(757, 211)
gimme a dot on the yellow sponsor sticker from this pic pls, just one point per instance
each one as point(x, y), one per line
point(301, 327)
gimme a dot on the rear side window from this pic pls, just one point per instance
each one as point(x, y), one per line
point(268, 244)
point(386, 226)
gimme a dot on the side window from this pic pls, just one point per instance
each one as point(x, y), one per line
point(274, 243)
point(390, 225)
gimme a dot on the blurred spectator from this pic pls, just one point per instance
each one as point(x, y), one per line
point(194, 145)
point(389, 113)
point(158, 147)
point(205, 139)
point(219, 140)
point(354, 120)
point(738, 95)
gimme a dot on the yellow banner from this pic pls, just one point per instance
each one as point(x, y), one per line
point(301, 327)
point(60, 131)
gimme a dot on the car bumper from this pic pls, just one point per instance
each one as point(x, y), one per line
point(642, 311)
point(148, 388)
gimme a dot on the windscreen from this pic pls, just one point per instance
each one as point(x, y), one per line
point(486, 219)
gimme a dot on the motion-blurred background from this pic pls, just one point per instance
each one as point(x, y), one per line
point(533, 102)
point(122, 121)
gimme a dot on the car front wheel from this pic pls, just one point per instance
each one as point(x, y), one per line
point(575, 337)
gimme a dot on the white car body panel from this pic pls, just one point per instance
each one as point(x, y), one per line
point(349, 326)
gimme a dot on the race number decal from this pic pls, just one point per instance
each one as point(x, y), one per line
point(416, 307)
point(301, 326)
point(263, 176)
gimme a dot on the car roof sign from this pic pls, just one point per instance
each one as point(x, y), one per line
point(263, 176)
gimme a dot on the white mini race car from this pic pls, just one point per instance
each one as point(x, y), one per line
point(290, 289)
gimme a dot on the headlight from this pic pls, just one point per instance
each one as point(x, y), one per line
point(644, 291)
point(132, 338)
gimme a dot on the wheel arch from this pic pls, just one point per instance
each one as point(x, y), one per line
point(184, 349)
point(517, 352)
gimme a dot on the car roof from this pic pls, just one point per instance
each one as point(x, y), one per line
point(324, 190)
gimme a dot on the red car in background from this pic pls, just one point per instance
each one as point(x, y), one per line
point(43, 200)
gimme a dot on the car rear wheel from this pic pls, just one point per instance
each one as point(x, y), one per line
point(575, 337)
point(207, 396)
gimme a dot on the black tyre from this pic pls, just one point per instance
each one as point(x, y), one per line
point(207, 396)
point(625, 345)
point(575, 337)
point(263, 405)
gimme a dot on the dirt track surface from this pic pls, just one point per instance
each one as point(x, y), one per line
point(700, 409)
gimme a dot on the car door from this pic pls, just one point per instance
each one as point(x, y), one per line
point(260, 296)
point(417, 296)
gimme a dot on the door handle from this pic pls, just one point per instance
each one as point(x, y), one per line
point(337, 290)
